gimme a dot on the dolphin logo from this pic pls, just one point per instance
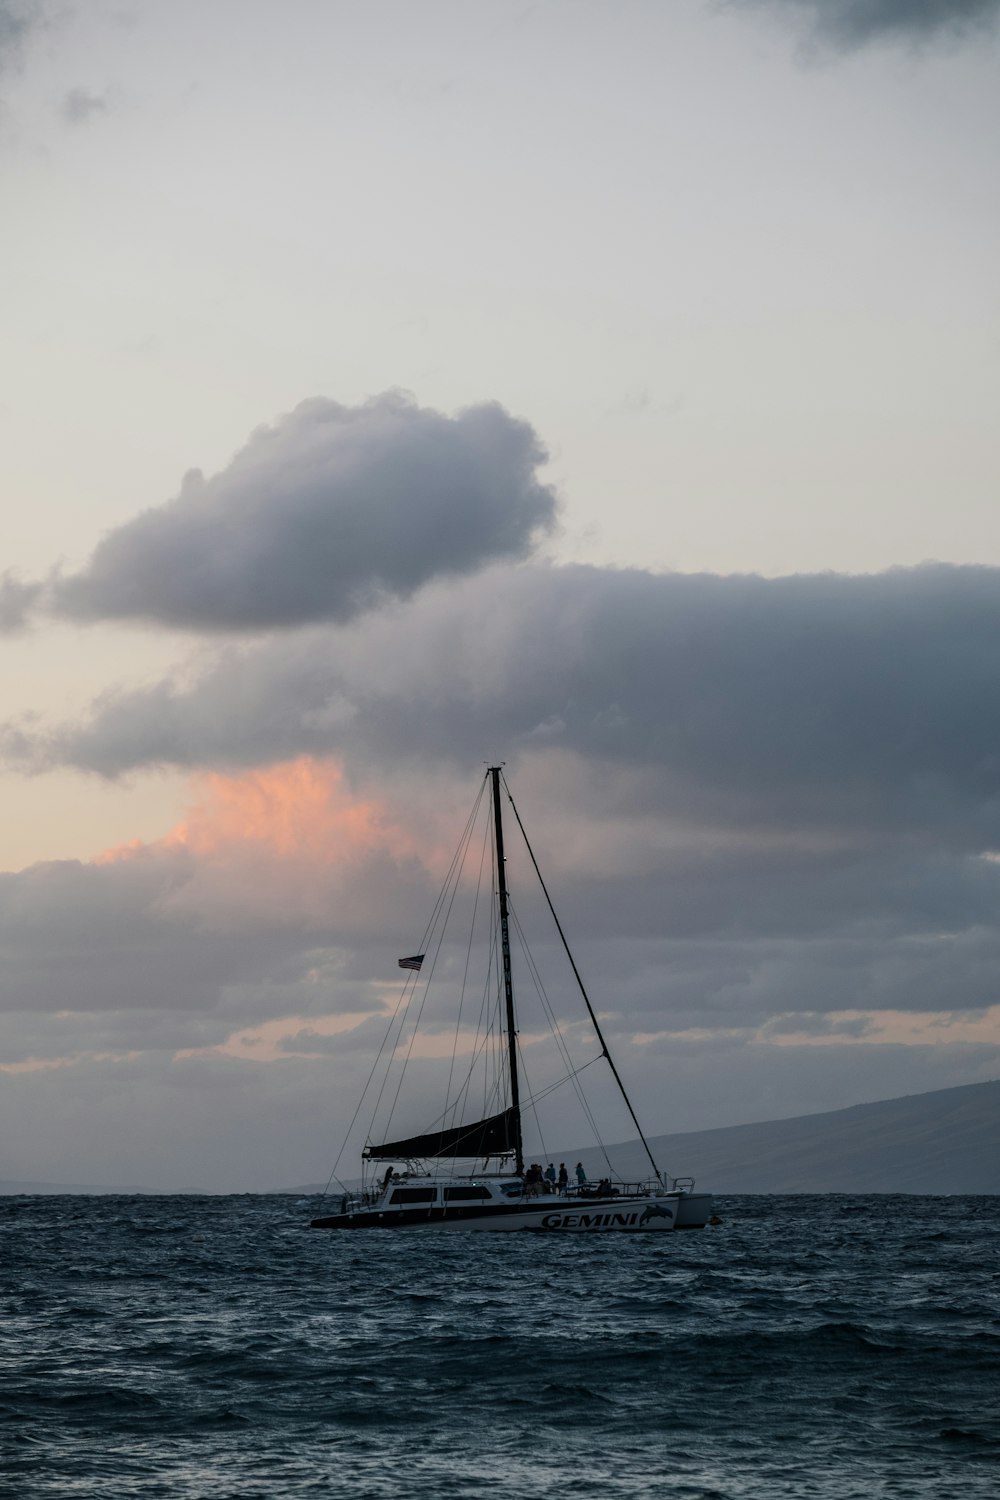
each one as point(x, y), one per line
point(655, 1211)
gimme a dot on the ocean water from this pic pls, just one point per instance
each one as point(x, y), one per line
point(218, 1349)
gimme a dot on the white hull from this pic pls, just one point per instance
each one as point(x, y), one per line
point(547, 1215)
point(694, 1210)
point(564, 1216)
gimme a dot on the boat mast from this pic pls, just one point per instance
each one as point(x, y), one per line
point(508, 987)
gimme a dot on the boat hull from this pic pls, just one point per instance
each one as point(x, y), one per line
point(613, 1215)
point(694, 1210)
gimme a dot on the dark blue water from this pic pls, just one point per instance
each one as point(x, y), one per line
point(216, 1348)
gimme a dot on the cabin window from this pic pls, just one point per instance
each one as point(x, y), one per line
point(412, 1195)
point(457, 1194)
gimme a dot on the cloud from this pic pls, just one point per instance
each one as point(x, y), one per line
point(759, 797)
point(767, 810)
point(284, 894)
point(17, 599)
point(17, 17)
point(81, 105)
point(285, 845)
point(322, 515)
point(367, 1036)
point(848, 25)
point(820, 702)
point(246, 903)
point(76, 937)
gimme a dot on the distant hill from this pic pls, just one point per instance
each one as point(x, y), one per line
point(947, 1141)
point(10, 1189)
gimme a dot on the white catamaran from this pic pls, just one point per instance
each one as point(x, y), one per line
point(399, 1190)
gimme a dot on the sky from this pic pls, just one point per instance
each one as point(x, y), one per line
point(606, 389)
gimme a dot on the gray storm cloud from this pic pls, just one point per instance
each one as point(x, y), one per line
point(16, 19)
point(166, 931)
point(825, 700)
point(778, 793)
point(17, 599)
point(94, 938)
point(81, 105)
point(321, 515)
point(851, 24)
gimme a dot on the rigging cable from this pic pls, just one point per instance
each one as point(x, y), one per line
point(583, 992)
point(572, 1071)
point(364, 1091)
point(452, 879)
point(465, 974)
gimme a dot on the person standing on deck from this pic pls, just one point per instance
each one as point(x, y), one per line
point(581, 1175)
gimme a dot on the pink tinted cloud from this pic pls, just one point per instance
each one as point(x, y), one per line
point(289, 843)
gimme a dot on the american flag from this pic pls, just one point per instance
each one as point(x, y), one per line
point(412, 963)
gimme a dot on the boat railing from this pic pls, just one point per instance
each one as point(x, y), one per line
point(366, 1198)
point(613, 1189)
point(648, 1188)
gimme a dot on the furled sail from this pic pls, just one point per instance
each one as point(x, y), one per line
point(493, 1137)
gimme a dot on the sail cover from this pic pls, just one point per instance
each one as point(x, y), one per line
point(492, 1137)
